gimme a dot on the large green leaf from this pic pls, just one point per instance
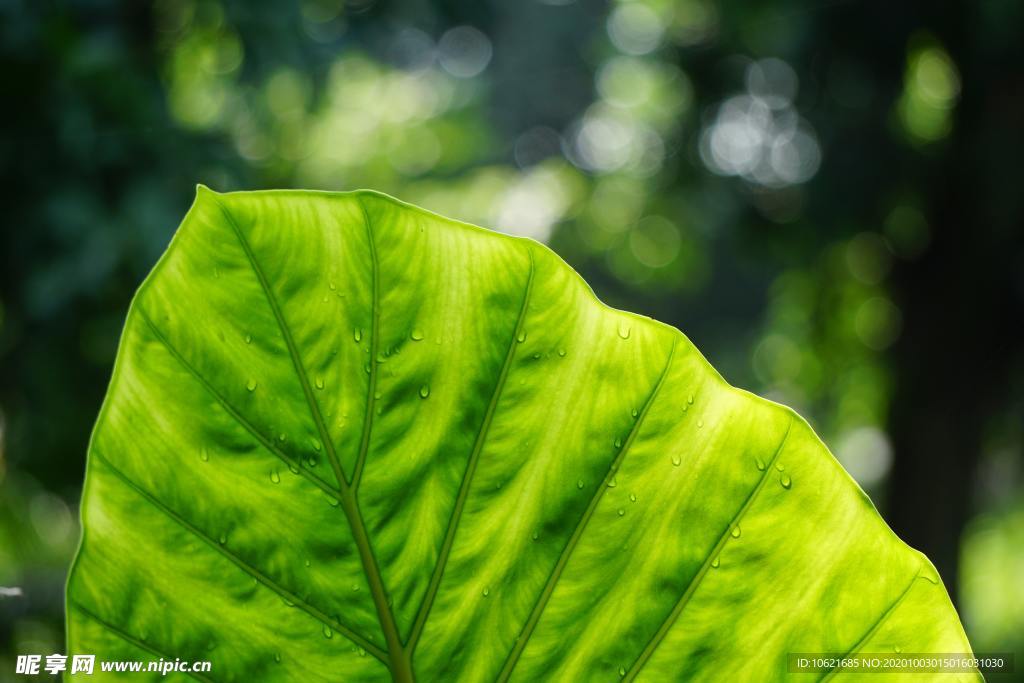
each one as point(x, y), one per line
point(348, 439)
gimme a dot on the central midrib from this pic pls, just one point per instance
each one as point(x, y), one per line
point(399, 664)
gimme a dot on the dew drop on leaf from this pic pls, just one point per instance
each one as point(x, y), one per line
point(760, 464)
point(357, 334)
point(486, 592)
point(417, 335)
point(785, 481)
point(251, 385)
point(277, 657)
point(715, 562)
point(624, 330)
point(521, 337)
point(676, 460)
point(689, 399)
point(700, 424)
point(622, 671)
point(561, 352)
point(634, 412)
point(248, 339)
point(632, 497)
point(328, 633)
point(293, 469)
point(736, 531)
point(535, 535)
point(611, 483)
point(579, 483)
point(311, 461)
point(223, 539)
point(621, 512)
point(424, 391)
point(618, 442)
point(319, 382)
point(780, 467)
point(275, 477)
point(204, 455)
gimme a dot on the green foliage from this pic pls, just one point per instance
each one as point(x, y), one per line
point(346, 437)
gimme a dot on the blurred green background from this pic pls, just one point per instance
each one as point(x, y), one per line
point(826, 197)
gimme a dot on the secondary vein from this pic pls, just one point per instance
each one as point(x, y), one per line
point(581, 525)
point(374, 341)
point(691, 588)
point(467, 477)
point(250, 569)
point(129, 638)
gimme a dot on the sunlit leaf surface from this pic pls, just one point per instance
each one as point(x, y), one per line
point(347, 439)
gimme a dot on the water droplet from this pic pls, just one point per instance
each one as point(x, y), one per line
point(611, 483)
point(780, 467)
point(332, 286)
point(366, 368)
point(521, 337)
point(579, 483)
point(417, 335)
point(328, 633)
point(357, 334)
point(251, 385)
point(561, 353)
point(311, 461)
point(621, 512)
point(319, 382)
point(622, 671)
point(362, 652)
point(275, 477)
point(316, 447)
point(618, 442)
point(685, 408)
point(785, 481)
point(736, 531)
point(376, 395)
point(248, 339)
point(700, 424)
point(760, 464)
point(624, 330)
point(536, 356)
point(223, 539)
point(535, 535)
point(486, 592)
point(634, 412)
point(282, 437)
point(293, 469)
point(676, 460)
point(897, 649)
point(715, 562)
point(204, 455)
point(632, 497)
point(355, 587)
point(424, 391)
point(277, 657)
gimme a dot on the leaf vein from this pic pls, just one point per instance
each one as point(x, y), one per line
point(234, 413)
point(467, 477)
point(374, 341)
point(128, 638)
point(250, 569)
point(581, 525)
point(691, 588)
